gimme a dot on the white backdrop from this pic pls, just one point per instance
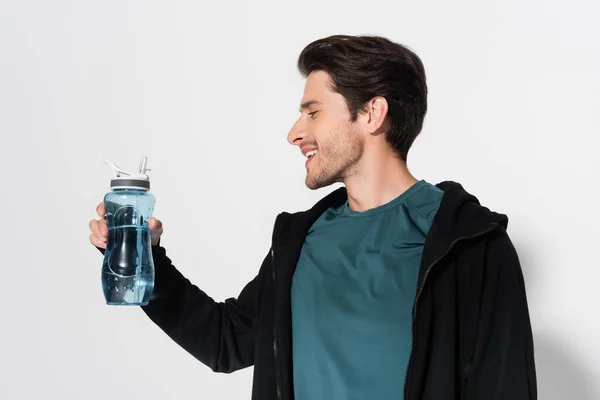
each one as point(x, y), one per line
point(208, 91)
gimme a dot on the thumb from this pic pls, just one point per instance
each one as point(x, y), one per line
point(156, 229)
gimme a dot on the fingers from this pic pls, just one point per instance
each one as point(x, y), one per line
point(97, 242)
point(99, 228)
point(100, 210)
point(99, 233)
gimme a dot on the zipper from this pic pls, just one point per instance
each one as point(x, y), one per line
point(420, 291)
point(275, 351)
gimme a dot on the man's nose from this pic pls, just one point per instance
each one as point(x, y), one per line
point(296, 133)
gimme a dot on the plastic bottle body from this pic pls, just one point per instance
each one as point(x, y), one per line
point(128, 267)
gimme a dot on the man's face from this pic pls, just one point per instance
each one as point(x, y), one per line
point(324, 126)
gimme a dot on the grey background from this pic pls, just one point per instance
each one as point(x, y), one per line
point(208, 92)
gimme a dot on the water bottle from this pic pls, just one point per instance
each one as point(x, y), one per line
point(128, 268)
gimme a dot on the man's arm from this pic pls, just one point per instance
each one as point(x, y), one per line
point(503, 364)
point(219, 334)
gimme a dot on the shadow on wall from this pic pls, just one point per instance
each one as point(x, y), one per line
point(560, 374)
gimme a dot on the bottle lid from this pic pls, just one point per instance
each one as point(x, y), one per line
point(127, 180)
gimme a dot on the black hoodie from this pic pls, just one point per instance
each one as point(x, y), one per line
point(472, 337)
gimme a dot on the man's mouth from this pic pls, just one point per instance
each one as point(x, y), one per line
point(310, 155)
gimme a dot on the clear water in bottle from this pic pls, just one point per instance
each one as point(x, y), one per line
point(128, 268)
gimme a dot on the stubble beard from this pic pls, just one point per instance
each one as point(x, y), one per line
point(336, 159)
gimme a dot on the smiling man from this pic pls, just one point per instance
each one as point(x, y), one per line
point(388, 288)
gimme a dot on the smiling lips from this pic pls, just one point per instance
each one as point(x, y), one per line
point(309, 154)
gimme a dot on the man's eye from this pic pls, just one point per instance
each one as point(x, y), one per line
point(312, 114)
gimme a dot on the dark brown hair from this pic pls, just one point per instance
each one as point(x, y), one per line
point(362, 67)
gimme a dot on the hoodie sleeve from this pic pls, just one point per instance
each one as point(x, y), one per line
point(503, 364)
point(219, 334)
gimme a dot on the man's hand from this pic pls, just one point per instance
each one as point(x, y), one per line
point(99, 228)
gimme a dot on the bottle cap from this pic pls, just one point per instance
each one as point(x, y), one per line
point(127, 180)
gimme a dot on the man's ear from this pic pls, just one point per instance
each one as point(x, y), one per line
point(375, 112)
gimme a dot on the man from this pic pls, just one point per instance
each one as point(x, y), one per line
point(389, 287)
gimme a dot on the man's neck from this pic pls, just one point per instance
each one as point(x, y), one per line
point(379, 178)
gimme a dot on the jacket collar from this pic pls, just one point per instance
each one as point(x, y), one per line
point(460, 215)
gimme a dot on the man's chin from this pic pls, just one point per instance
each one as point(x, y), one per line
point(311, 184)
point(314, 184)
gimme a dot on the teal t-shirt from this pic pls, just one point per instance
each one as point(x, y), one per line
point(352, 298)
